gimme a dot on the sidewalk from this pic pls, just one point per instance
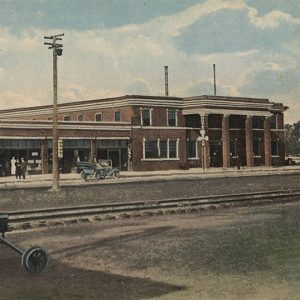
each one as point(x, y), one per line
point(72, 179)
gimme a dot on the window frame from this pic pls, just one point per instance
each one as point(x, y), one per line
point(276, 154)
point(174, 155)
point(188, 149)
point(259, 148)
point(142, 109)
point(98, 114)
point(119, 118)
point(175, 117)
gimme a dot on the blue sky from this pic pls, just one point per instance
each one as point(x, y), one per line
point(119, 47)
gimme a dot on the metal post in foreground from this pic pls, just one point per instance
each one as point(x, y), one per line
point(57, 51)
point(203, 138)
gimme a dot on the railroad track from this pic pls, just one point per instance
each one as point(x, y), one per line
point(65, 213)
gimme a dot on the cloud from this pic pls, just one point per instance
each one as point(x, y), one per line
point(139, 87)
point(272, 19)
point(11, 99)
point(129, 59)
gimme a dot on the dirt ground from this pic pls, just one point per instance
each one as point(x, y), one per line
point(141, 191)
point(236, 253)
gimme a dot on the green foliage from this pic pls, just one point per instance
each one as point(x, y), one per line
point(292, 138)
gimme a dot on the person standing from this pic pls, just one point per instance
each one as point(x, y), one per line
point(23, 167)
point(238, 162)
point(13, 166)
point(18, 169)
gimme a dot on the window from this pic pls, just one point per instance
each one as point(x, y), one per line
point(80, 117)
point(146, 117)
point(192, 149)
point(160, 149)
point(233, 148)
point(193, 121)
point(237, 122)
point(215, 121)
point(151, 149)
point(163, 147)
point(257, 122)
point(98, 117)
point(67, 118)
point(257, 148)
point(117, 116)
point(172, 149)
point(274, 148)
point(172, 117)
point(273, 122)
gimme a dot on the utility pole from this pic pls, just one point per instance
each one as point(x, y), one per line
point(57, 51)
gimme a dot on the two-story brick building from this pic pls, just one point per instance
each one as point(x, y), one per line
point(149, 132)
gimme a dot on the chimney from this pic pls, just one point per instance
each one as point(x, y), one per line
point(166, 82)
point(215, 87)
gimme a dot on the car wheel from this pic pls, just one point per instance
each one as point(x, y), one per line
point(98, 176)
point(116, 174)
point(83, 176)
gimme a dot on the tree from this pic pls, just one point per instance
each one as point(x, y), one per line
point(292, 138)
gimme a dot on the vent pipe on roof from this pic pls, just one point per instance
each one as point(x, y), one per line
point(215, 87)
point(166, 82)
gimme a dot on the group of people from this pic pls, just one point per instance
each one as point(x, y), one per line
point(18, 168)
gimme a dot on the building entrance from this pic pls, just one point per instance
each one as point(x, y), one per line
point(216, 155)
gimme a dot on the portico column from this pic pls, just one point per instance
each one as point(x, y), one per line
point(93, 155)
point(44, 156)
point(225, 141)
point(249, 141)
point(267, 142)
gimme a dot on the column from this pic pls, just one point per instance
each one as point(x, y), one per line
point(93, 155)
point(44, 156)
point(267, 142)
point(249, 141)
point(225, 141)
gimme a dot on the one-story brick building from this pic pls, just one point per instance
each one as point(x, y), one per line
point(144, 133)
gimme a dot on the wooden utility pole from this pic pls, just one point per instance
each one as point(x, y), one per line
point(57, 51)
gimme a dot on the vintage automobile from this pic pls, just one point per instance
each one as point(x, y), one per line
point(96, 170)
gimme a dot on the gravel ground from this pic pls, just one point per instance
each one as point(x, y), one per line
point(238, 253)
point(141, 191)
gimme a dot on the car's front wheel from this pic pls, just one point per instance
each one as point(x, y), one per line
point(83, 175)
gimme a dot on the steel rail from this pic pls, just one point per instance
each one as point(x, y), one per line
point(109, 208)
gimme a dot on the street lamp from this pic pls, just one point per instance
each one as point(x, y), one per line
point(57, 51)
point(203, 138)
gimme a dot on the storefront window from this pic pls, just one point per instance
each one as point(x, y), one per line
point(257, 148)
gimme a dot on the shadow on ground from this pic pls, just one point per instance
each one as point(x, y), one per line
point(64, 282)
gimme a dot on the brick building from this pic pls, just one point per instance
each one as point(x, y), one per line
point(148, 133)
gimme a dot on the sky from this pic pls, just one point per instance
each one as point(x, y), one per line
point(120, 47)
